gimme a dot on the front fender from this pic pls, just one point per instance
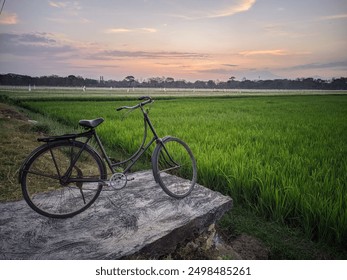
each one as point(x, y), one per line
point(155, 152)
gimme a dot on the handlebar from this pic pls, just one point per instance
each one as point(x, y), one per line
point(146, 98)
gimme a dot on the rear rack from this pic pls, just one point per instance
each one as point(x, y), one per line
point(65, 136)
point(57, 138)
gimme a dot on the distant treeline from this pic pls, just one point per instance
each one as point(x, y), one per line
point(168, 82)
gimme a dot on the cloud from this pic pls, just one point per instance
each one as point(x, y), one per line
point(117, 30)
point(27, 38)
point(32, 44)
point(237, 7)
point(47, 44)
point(264, 52)
point(283, 30)
point(215, 71)
point(336, 64)
point(116, 54)
point(57, 4)
point(252, 74)
point(149, 30)
point(333, 17)
point(127, 30)
point(67, 13)
point(230, 65)
point(65, 20)
point(191, 10)
point(69, 8)
point(8, 18)
point(70, 5)
point(34, 38)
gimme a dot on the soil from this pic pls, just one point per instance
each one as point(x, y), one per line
point(8, 113)
point(250, 248)
point(211, 245)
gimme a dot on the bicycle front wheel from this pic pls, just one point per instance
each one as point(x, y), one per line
point(174, 167)
point(62, 179)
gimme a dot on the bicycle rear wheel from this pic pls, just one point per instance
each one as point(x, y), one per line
point(174, 167)
point(51, 190)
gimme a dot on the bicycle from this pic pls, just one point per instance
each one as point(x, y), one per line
point(64, 176)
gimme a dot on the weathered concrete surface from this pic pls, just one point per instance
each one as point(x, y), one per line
point(140, 218)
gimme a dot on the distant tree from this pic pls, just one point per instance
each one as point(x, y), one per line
point(231, 82)
point(91, 82)
point(211, 84)
point(199, 84)
point(169, 80)
point(130, 80)
point(231, 79)
point(155, 82)
point(339, 84)
point(74, 81)
point(181, 83)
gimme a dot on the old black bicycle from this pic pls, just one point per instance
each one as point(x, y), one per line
point(65, 175)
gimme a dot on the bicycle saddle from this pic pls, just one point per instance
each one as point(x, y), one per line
point(90, 123)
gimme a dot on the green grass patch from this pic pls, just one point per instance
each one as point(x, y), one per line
point(282, 158)
point(281, 241)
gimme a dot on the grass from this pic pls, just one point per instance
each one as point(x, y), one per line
point(282, 159)
point(16, 141)
point(282, 242)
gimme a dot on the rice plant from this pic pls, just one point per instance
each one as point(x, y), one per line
point(283, 157)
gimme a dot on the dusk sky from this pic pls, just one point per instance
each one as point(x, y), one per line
point(183, 39)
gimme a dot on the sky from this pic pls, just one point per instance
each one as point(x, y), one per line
point(183, 39)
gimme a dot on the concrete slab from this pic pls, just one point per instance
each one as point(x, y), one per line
point(140, 218)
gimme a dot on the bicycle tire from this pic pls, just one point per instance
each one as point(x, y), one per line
point(42, 173)
point(174, 167)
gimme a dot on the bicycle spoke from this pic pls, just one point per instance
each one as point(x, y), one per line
point(168, 169)
point(63, 179)
point(55, 163)
point(42, 174)
point(172, 161)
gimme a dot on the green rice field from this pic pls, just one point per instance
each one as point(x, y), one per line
point(285, 157)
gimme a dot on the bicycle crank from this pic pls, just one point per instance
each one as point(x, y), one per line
point(118, 181)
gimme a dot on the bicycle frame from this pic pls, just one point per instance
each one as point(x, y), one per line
point(77, 171)
point(133, 159)
point(91, 133)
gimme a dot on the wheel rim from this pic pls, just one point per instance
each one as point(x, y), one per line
point(52, 196)
point(176, 168)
